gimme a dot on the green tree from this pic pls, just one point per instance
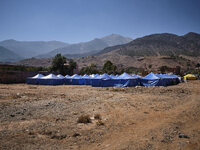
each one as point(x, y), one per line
point(109, 68)
point(92, 69)
point(72, 66)
point(58, 64)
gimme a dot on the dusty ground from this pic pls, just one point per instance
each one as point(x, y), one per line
point(45, 117)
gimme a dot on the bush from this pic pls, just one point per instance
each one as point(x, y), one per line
point(84, 119)
point(97, 116)
point(99, 123)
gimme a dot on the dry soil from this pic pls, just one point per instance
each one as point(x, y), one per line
point(138, 118)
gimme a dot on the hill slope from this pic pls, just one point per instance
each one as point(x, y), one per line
point(30, 49)
point(89, 47)
point(160, 45)
point(155, 50)
point(7, 55)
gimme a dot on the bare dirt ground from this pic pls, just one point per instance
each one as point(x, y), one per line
point(141, 118)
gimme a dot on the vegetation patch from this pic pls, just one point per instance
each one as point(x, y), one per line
point(97, 117)
point(84, 119)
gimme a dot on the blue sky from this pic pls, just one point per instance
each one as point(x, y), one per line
point(83, 20)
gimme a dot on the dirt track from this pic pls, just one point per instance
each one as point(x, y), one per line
point(45, 117)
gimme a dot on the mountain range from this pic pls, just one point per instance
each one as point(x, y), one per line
point(88, 48)
point(151, 51)
point(28, 49)
point(41, 49)
point(8, 56)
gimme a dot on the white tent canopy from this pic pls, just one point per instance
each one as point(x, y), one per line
point(60, 76)
point(38, 76)
point(50, 76)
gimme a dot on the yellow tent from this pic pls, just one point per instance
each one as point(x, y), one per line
point(190, 77)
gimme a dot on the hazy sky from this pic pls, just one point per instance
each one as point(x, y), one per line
point(82, 20)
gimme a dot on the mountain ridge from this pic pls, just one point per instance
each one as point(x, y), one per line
point(96, 44)
point(28, 49)
point(7, 55)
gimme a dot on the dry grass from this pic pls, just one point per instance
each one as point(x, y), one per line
point(97, 117)
point(84, 119)
point(100, 123)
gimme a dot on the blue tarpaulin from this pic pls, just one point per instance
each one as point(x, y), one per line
point(105, 80)
point(34, 80)
point(151, 80)
point(159, 80)
point(51, 79)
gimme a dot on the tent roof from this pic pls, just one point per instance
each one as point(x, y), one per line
point(166, 75)
point(67, 76)
point(38, 76)
point(50, 76)
point(103, 76)
point(125, 76)
point(94, 75)
point(135, 76)
point(189, 75)
point(60, 76)
point(86, 76)
point(151, 76)
point(113, 76)
point(75, 76)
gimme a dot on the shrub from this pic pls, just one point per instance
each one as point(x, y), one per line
point(99, 123)
point(97, 116)
point(84, 119)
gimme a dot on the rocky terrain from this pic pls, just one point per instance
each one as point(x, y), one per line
point(138, 118)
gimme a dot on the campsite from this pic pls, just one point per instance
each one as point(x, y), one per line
point(100, 75)
point(142, 118)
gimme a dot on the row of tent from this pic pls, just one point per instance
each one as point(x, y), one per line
point(105, 80)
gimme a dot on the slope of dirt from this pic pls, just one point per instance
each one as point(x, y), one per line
point(139, 62)
point(140, 118)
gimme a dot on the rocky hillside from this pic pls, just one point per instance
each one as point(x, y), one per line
point(160, 45)
point(154, 50)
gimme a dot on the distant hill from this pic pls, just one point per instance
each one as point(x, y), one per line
point(155, 50)
point(160, 45)
point(36, 62)
point(150, 51)
point(28, 49)
point(7, 55)
point(90, 47)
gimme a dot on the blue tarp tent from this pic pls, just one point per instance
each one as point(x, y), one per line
point(113, 76)
point(75, 79)
point(51, 79)
point(99, 81)
point(126, 80)
point(68, 80)
point(151, 80)
point(167, 79)
point(34, 80)
point(60, 76)
point(85, 80)
point(135, 76)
